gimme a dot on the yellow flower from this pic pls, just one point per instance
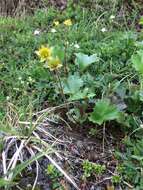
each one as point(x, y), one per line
point(56, 23)
point(53, 63)
point(68, 22)
point(44, 53)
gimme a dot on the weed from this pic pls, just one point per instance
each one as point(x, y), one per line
point(116, 179)
point(55, 176)
point(90, 169)
point(93, 132)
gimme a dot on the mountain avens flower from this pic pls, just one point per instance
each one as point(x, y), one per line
point(53, 63)
point(44, 53)
point(68, 22)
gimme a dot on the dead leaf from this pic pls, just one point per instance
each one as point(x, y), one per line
point(110, 187)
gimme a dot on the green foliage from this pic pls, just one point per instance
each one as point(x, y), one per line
point(5, 183)
point(141, 21)
point(73, 84)
point(132, 162)
point(83, 61)
point(53, 172)
point(137, 60)
point(104, 111)
point(55, 177)
point(116, 179)
point(75, 116)
point(102, 68)
point(84, 94)
point(93, 132)
point(91, 169)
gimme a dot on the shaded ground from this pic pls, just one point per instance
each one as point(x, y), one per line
point(73, 146)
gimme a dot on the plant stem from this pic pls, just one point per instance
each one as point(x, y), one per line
point(141, 83)
point(65, 50)
point(65, 67)
point(103, 142)
point(60, 86)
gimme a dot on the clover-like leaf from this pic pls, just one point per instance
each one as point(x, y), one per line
point(104, 111)
point(73, 84)
point(83, 60)
point(137, 60)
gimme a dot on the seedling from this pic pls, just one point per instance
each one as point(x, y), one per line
point(90, 169)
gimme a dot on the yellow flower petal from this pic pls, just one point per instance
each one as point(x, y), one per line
point(56, 23)
point(44, 53)
point(53, 63)
point(68, 22)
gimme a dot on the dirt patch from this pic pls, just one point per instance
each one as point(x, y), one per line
point(74, 147)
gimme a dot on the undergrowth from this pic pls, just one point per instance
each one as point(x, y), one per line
point(91, 67)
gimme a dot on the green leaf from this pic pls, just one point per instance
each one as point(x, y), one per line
point(137, 60)
point(104, 111)
point(138, 158)
point(141, 21)
point(73, 84)
point(4, 183)
point(83, 60)
point(84, 94)
point(20, 167)
point(58, 52)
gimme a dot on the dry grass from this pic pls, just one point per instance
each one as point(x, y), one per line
point(23, 7)
point(38, 143)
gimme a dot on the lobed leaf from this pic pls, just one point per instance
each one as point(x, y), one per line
point(83, 60)
point(104, 111)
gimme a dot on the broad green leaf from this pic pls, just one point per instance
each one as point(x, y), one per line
point(104, 111)
point(73, 84)
point(82, 95)
point(58, 52)
point(83, 60)
point(137, 60)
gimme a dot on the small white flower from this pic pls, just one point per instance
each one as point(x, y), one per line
point(103, 30)
point(76, 46)
point(16, 89)
point(30, 79)
point(67, 42)
point(7, 98)
point(53, 30)
point(72, 44)
point(37, 32)
point(19, 78)
point(22, 82)
point(112, 17)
